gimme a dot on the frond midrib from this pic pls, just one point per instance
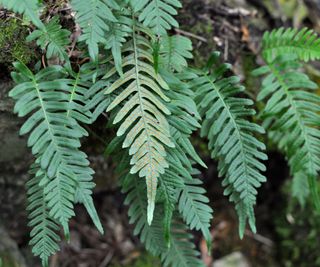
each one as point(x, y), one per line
point(238, 132)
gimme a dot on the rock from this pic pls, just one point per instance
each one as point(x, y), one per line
point(9, 254)
point(236, 259)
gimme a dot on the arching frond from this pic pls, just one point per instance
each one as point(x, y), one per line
point(304, 43)
point(142, 115)
point(231, 137)
point(29, 8)
point(93, 17)
point(157, 14)
point(293, 110)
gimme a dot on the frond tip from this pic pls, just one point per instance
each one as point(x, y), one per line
point(142, 115)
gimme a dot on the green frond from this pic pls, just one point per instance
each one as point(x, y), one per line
point(293, 107)
point(93, 17)
point(182, 252)
point(174, 52)
point(29, 8)
point(52, 104)
point(116, 36)
point(194, 208)
point(53, 39)
point(44, 237)
point(157, 14)
point(231, 137)
point(304, 43)
point(142, 114)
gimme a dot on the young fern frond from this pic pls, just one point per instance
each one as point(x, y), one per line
point(231, 137)
point(157, 14)
point(294, 109)
point(304, 43)
point(53, 39)
point(44, 237)
point(29, 8)
point(143, 116)
point(93, 17)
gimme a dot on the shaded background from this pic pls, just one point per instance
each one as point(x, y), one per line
point(287, 235)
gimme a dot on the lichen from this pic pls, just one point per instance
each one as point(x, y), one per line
point(13, 45)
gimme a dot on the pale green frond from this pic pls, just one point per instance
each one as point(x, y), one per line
point(142, 116)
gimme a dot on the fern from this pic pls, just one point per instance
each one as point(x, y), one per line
point(43, 235)
point(157, 14)
point(53, 39)
point(151, 130)
point(174, 52)
point(93, 17)
point(29, 8)
point(304, 43)
point(295, 113)
point(231, 137)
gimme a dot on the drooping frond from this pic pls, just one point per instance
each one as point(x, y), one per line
point(293, 107)
point(231, 137)
point(51, 102)
point(29, 8)
point(304, 43)
point(194, 208)
point(53, 39)
point(142, 114)
point(44, 238)
point(174, 52)
point(93, 17)
point(157, 14)
point(184, 120)
point(181, 251)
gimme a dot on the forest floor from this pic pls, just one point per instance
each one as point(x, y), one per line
point(235, 28)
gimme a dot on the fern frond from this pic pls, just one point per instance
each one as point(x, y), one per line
point(29, 8)
point(142, 116)
point(49, 101)
point(53, 39)
point(304, 43)
point(182, 252)
point(231, 137)
point(157, 14)
point(93, 17)
point(44, 238)
point(294, 111)
point(116, 36)
point(174, 52)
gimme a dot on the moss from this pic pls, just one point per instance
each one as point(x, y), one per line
point(13, 45)
point(144, 260)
